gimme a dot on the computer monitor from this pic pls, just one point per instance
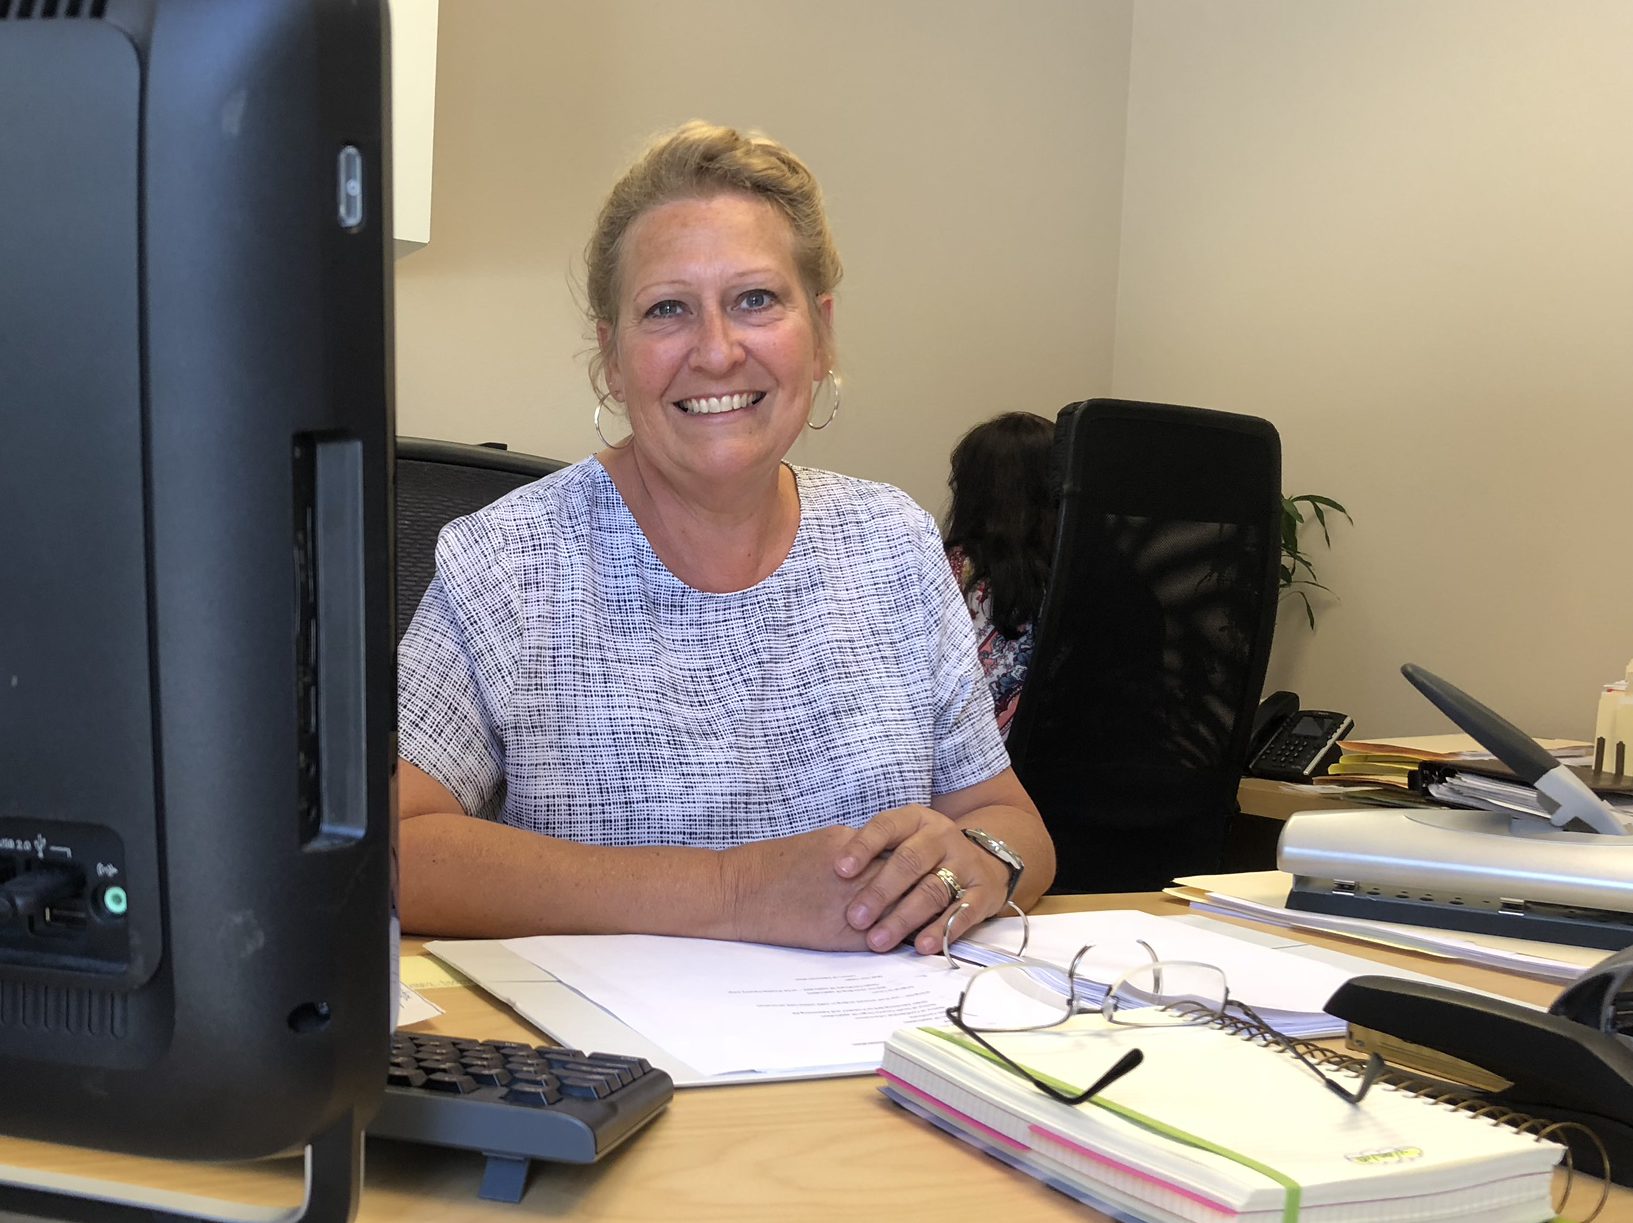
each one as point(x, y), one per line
point(197, 709)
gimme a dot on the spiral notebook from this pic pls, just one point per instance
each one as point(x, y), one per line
point(1216, 1126)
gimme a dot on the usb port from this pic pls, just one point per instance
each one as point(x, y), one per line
point(65, 915)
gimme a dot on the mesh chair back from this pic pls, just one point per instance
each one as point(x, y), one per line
point(1152, 642)
point(438, 482)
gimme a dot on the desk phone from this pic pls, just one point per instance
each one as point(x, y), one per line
point(1293, 744)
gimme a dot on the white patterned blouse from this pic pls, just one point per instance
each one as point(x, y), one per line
point(558, 676)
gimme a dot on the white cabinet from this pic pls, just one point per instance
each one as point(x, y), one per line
point(413, 114)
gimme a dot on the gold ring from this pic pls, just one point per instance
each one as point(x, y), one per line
point(955, 889)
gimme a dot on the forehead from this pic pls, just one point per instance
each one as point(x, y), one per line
point(714, 235)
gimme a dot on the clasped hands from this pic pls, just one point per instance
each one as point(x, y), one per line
point(868, 888)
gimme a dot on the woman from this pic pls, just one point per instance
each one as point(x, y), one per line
point(1001, 542)
point(719, 696)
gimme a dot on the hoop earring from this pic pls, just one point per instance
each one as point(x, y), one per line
point(596, 420)
point(832, 377)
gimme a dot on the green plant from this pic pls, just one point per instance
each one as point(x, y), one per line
point(1296, 569)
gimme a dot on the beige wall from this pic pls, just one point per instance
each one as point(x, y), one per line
point(971, 154)
point(1403, 231)
point(1399, 229)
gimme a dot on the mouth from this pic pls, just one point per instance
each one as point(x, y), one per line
point(711, 405)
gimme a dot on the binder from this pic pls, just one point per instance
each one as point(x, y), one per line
point(1614, 786)
point(1221, 1122)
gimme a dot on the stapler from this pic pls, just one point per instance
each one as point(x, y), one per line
point(1570, 1064)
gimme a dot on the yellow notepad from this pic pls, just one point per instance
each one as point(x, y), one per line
point(422, 972)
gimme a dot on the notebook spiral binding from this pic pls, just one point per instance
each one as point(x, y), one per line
point(1251, 1027)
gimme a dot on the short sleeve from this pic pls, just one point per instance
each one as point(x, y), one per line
point(968, 746)
point(456, 667)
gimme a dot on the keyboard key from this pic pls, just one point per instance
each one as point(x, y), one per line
point(623, 1074)
point(587, 1086)
point(638, 1064)
point(535, 1095)
point(457, 1084)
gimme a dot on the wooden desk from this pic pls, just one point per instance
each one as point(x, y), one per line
point(823, 1150)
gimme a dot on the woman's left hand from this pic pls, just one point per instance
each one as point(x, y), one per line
point(906, 894)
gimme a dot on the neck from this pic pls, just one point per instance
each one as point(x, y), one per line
point(714, 537)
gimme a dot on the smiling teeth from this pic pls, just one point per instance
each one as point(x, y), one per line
point(718, 403)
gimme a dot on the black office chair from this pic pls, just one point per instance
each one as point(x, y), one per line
point(1152, 642)
point(438, 482)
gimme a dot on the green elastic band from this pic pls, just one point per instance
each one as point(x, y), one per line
point(1294, 1191)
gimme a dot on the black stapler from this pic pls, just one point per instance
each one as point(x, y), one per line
point(1571, 1063)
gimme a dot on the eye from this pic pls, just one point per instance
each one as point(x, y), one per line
point(757, 299)
point(668, 308)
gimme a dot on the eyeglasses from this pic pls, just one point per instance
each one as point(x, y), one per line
point(953, 961)
point(1028, 997)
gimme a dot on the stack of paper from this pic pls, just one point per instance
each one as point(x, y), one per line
point(1395, 765)
point(1210, 1126)
point(710, 1011)
point(720, 1012)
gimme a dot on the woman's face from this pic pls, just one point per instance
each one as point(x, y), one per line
point(715, 350)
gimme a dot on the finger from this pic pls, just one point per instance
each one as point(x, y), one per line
point(909, 862)
point(924, 906)
point(884, 831)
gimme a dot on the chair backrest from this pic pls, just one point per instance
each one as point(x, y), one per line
point(438, 482)
point(1152, 642)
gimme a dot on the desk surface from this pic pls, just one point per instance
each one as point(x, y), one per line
point(815, 1150)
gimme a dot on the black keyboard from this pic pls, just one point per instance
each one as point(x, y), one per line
point(515, 1103)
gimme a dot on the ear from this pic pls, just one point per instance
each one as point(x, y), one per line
point(609, 355)
point(824, 358)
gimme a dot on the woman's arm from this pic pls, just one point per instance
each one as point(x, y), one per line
point(472, 878)
point(905, 846)
point(909, 844)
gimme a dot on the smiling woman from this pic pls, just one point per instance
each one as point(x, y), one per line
point(706, 692)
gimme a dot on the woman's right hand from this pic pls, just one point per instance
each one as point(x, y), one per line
point(785, 891)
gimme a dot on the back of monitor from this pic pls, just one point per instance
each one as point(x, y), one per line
point(196, 705)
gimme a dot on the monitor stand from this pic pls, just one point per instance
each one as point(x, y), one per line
point(334, 1182)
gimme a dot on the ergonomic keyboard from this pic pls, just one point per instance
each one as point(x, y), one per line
point(515, 1103)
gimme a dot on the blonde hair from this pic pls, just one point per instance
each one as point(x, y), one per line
point(695, 161)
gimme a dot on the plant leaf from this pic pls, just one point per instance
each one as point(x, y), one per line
point(1296, 568)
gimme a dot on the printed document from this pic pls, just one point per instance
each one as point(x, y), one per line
point(710, 1011)
point(723, 1007)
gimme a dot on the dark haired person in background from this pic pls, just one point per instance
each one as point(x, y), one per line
point(1001, 541)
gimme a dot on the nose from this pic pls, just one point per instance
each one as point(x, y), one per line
point(718, 348)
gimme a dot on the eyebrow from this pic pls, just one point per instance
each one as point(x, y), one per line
point(748, 274)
